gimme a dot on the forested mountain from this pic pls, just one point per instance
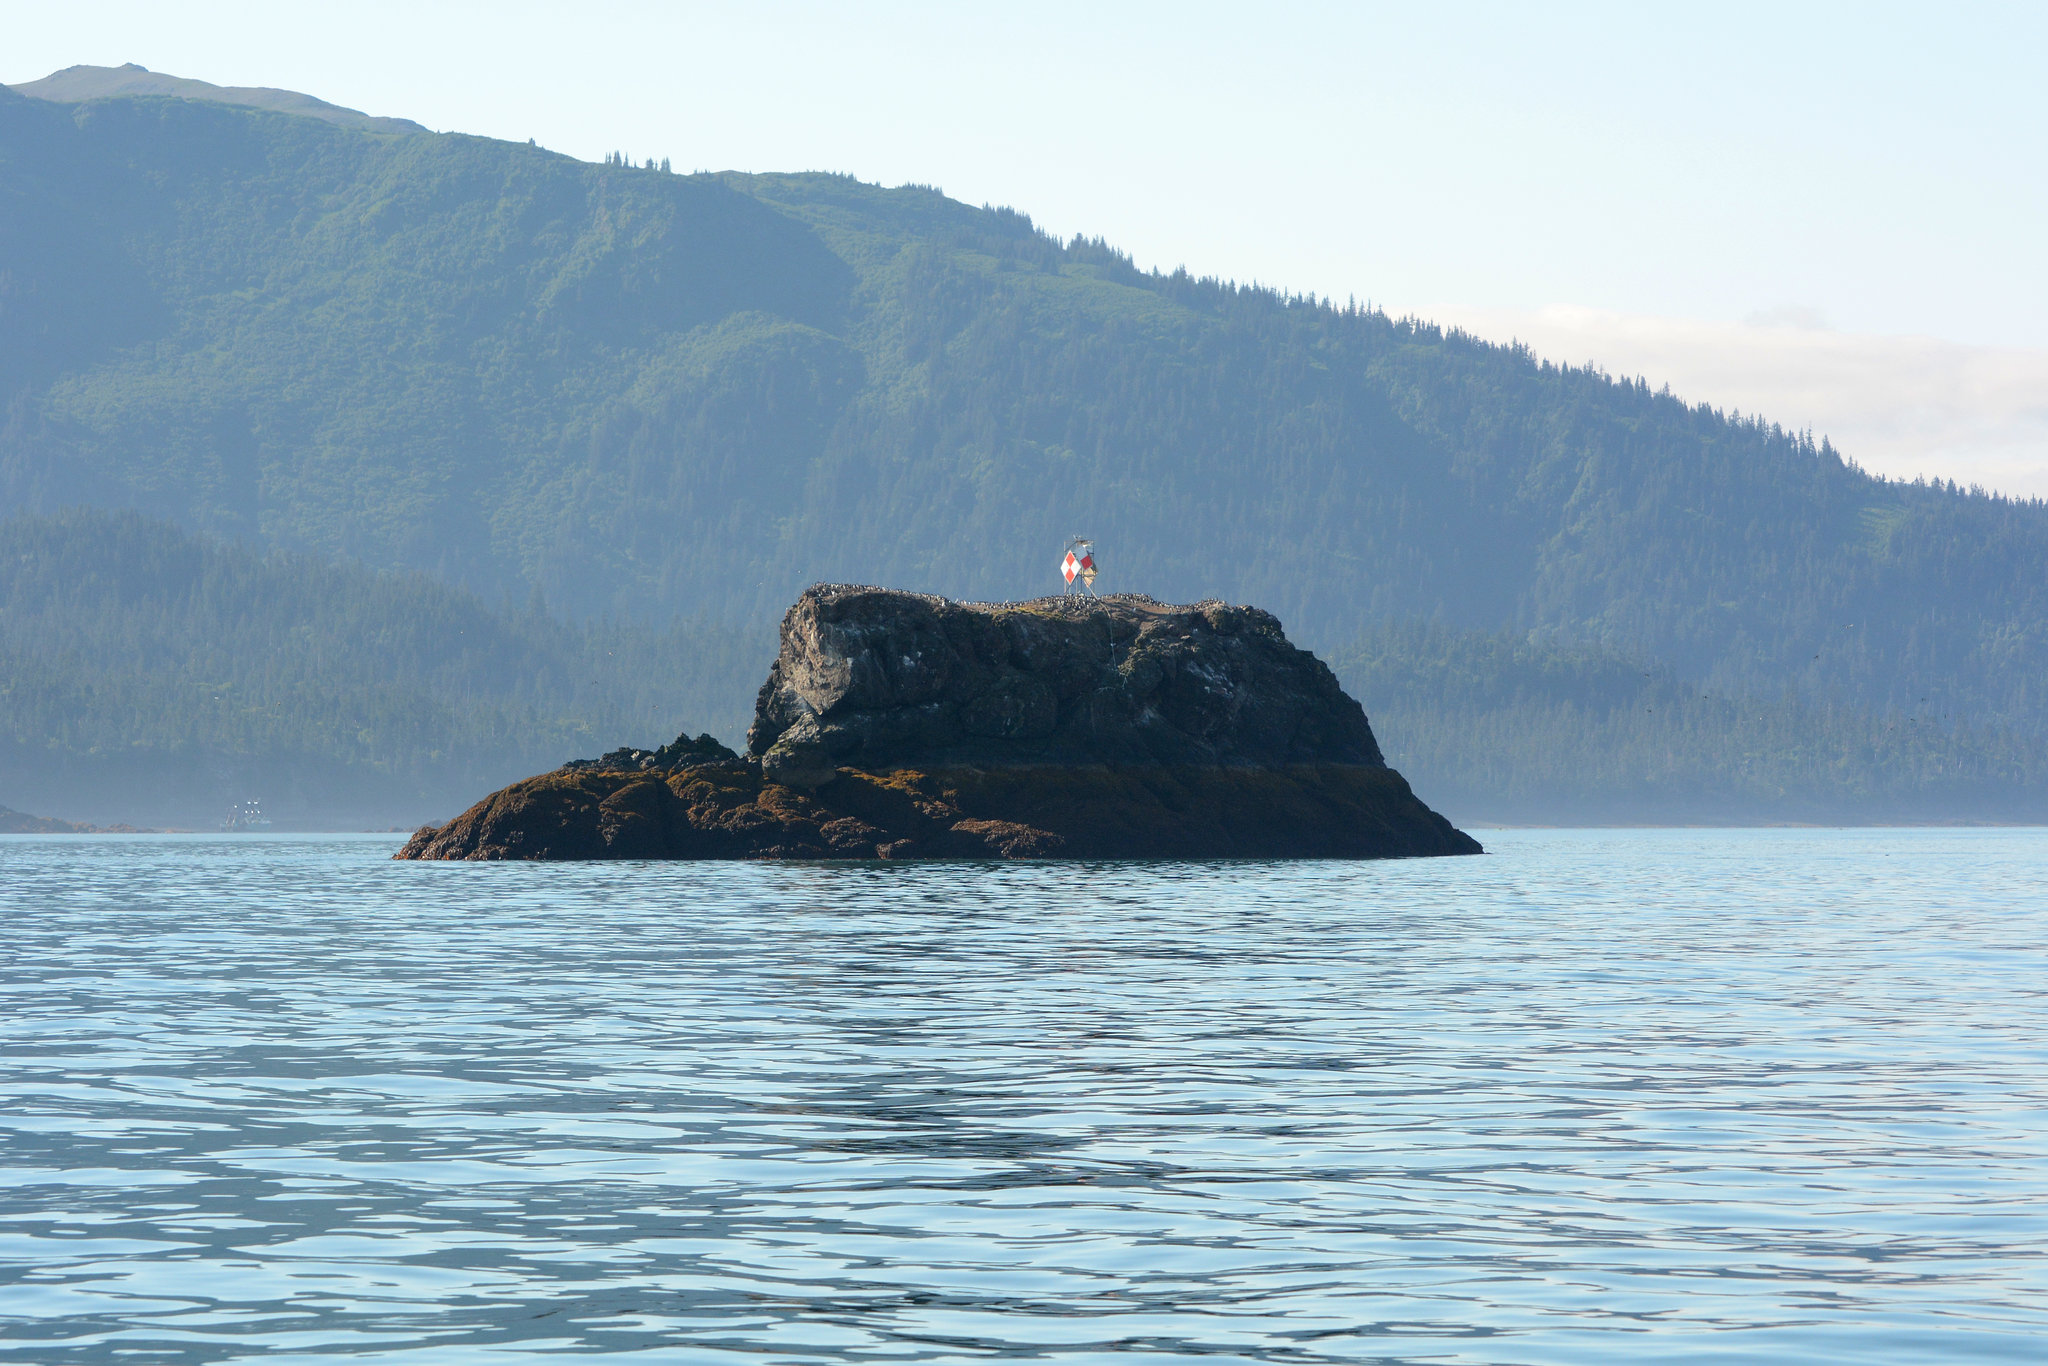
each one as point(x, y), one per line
point(150, 677)
point(1497, 727)
point(652, 396)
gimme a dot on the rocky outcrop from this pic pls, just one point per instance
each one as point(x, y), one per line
point(872, 679)
point(897, 725)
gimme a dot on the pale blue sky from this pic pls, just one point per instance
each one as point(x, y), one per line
point(1878, 169)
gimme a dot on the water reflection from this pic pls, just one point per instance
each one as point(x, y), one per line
point(1601, 1096)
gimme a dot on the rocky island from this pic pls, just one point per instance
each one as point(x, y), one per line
point(898, 725)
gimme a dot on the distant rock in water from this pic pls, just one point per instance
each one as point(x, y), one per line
point(898, 725)
point(14, 822)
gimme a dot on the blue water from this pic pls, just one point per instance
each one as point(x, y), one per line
point(1601, 1096)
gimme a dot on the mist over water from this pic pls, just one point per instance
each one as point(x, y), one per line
point(1599, 1096)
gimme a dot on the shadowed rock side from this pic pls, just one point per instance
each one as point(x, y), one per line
point(873, 679)
point(895, 725)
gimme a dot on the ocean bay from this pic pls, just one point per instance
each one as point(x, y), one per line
point(1599, 1095)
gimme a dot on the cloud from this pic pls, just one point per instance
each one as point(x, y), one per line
point(1899, 406)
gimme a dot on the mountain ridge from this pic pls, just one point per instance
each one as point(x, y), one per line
point(77, 84)
point(644, 396)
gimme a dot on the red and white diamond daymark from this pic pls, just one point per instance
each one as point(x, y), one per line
point(1070, 566)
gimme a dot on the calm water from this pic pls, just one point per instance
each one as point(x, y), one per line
point(1601, 1096)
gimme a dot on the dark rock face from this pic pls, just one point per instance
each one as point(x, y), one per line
point(895, 725)
point(871, 678)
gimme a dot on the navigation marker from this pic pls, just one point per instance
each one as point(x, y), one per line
point(1079, 561)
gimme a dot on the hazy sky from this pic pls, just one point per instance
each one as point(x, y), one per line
point(1831, 213)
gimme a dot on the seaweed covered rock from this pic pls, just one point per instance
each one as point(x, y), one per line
point(897, 725)
point(730, 810)
point(724, 810)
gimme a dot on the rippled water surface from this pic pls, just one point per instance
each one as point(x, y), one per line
point(1599, 1096)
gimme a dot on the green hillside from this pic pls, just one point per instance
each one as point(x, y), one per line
point(653, 396)
point(150, 677)
point(76, 84)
